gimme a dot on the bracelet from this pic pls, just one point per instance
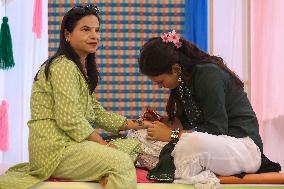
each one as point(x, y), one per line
point(175, 134)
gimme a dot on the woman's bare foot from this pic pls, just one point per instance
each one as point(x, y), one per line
point(103, 181)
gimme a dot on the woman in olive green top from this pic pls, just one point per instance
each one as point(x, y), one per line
point(62, 141)
point(219, 127)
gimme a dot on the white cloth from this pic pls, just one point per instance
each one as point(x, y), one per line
point(197, 156)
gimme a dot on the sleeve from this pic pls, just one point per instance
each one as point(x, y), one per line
point(210, 92)
point(69, 114)
point(106, 120)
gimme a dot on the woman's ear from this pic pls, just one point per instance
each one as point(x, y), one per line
point(176, 69)
point(67, 35)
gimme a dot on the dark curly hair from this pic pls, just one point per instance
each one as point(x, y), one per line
point(157, 57)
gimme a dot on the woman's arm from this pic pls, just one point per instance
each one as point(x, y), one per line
point(106, 120)
point(95, 137)
point(161, 132)
point(135, 124)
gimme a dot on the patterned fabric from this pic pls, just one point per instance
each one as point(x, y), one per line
point(125, 26)
point(89, 161)
point(192, 110)
point(150, 150)
point(62, 116)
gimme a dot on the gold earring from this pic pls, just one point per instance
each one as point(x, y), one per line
point(179, 79)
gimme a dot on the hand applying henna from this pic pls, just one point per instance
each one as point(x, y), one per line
point(136, 124)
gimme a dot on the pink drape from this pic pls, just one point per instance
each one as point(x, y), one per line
point(267, 73)
point(4, 126)
point(37, 18)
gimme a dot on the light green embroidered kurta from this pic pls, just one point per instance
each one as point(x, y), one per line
point(62, 114)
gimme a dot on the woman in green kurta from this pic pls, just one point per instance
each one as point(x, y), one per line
point(62, 141)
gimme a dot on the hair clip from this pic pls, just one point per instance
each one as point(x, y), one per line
point(88, 7)
point(172, 37)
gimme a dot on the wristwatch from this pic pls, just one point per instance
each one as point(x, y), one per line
point(175, 134)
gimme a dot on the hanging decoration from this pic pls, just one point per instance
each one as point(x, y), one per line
point(4, 126)
point(6, 50)
point(37, 18)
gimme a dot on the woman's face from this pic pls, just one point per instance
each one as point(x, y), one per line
point(85, 37)
point(167, 80)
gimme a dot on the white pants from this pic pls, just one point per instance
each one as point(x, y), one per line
point(197, 155)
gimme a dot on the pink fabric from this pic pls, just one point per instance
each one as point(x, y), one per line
point(267, 73)
point(141, 176)
point(267, 63)
point(37, 18)
point(4, 126)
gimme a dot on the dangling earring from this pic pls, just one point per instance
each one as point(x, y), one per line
point(67, 40)
point(179, 79)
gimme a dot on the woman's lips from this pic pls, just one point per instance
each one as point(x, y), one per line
point(93, 44)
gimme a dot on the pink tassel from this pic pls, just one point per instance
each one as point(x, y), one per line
point(37, 18)
point(4, 126)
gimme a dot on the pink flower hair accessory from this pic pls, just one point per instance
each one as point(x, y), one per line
point(172, 37)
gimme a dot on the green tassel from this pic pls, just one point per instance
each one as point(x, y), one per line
point(6, 51)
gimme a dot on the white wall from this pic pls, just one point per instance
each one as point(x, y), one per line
point(1, 73)
point(229, 34)
point(29, 54)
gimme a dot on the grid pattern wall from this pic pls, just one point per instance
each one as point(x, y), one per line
point(125, 27)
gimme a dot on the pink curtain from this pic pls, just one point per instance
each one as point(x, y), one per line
point(37, 18)
point(267, 73)
point(4, 126)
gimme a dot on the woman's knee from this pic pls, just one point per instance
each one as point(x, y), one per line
point(193, 143)
point(108, 158)
point(122, 161)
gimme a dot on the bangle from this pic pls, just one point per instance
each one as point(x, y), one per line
point(175, 134)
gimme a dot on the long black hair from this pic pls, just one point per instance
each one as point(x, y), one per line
point(69, 22)
point(157, 57)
